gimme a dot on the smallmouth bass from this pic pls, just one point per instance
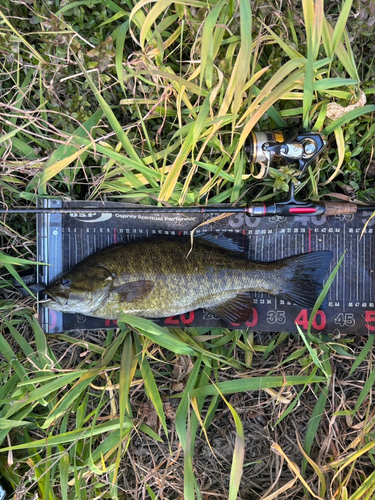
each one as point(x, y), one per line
point(157, 278)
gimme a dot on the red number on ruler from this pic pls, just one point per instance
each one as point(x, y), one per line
point(189, 319)
point(172, 320)
point(185, 318)
point(302, 319)
point(319, 322)
point(370, 318)
point(322, 320)
point(254, 319)
point(252, 323)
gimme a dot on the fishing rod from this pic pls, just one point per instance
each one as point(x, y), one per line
point(290, 207)
point(290, 146)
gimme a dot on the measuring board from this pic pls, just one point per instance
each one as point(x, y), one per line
point(65, 239)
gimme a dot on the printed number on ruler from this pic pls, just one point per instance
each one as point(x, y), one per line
point(276, 317)
point(370, 320)
point(345, 319)
point(319, 322)
point(186, 319)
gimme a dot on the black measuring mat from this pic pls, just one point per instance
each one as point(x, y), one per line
point(65, 239)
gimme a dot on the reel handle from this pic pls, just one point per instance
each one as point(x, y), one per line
point(302, 208)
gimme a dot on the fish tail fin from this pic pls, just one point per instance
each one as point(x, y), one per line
point(303, 276)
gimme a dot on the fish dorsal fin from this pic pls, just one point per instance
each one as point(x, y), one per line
point(134, 290)
point(235, 310)
point(219, 240)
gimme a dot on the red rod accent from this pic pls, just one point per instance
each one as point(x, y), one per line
point(302, 210)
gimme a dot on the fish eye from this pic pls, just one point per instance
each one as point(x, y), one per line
point(65, 281)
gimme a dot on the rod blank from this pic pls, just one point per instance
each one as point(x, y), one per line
point(194, 209)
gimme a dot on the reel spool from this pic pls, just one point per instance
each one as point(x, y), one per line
point(289, 146)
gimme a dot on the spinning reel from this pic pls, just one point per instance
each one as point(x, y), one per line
point(288, 146)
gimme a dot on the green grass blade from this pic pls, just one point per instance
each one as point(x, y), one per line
point(366, 490)
point(348, 117)
point(313, 353)
point(8, 262)
point(191, 424)
point(40, 394)
point(160, 7)
point(22, 342)
point(208, 44)
point(187, 146)
point(8, 424)
point(291, 52)
point(155, 333)
point(183, 412)
point(338, 32)
point(11, 357)
point(317, 27)
point(151, 386)
point(333, 83)
point(239, 166)
point(123, 138)
point(80, 386)
point(238, 454)
point(127, 370)
point(243, 62)
point(189, 478)
point(120, 43)
point(367, 388)
point(64, 474)
point(254, 384)
point(323, 293)
point(71, 436)
point(308, 11)
point(59, 158)
point(363, 354)
point(313, 424)
point(345, 57)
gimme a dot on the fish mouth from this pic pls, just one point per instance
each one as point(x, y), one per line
point(54, 300)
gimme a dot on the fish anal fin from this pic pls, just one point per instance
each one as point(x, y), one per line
point(134, 290)
point(238, 309)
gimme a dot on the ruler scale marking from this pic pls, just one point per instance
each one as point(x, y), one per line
point(365, 257)
point(340, 270)
point(357, 273)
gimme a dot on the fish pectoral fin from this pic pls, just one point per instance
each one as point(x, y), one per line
point(235, 310)
point(134, 290)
